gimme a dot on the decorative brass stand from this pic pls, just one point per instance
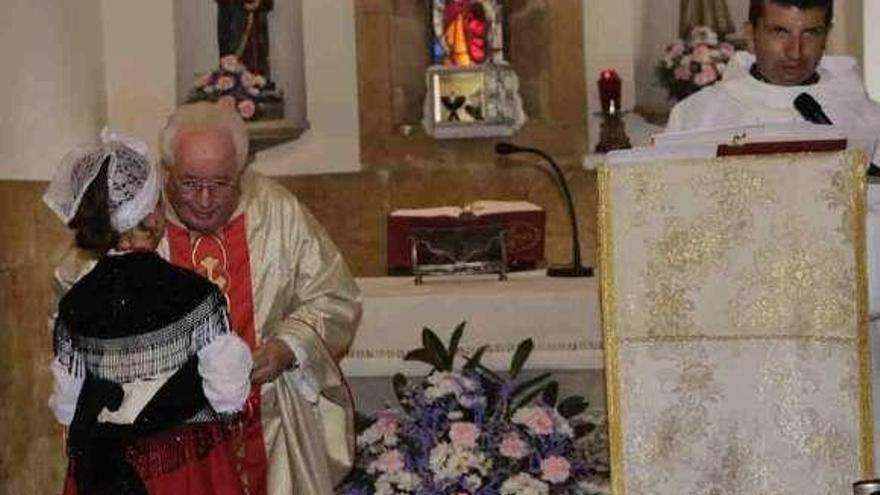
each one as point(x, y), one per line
point(612, 133)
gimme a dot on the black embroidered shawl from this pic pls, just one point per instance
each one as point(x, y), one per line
point(135, 316)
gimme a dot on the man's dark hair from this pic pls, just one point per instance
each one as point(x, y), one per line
point(92, 219)
point(756, 8)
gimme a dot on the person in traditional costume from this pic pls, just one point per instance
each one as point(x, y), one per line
point(148, 376)
point(292, 299)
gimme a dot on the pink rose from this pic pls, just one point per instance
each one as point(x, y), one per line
point(512, 446)
point(675, 49)
point(386, 424)
point(682, 73)
point(225, 82)
point(229, 62)
point(555, 469)
point(540, 422)
point(247, 79)
point(390, 462)
point(227, 101)
point(463, 434)
point(706, 76)
point(702, 54)
point(247, 108)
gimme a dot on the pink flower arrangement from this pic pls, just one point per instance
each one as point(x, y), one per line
point(536, 419)
point(235, 87)
point(555, 469)
point(692, 64)
point(390, 462)
point(473, 431)
point(513, 446)
point(463, 434)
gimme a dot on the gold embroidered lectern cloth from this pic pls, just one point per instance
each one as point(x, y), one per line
point(735, 324)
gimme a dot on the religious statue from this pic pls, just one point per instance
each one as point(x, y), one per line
point(465, 30)
point(472, 90)
point(243, 31)
point(714, 14)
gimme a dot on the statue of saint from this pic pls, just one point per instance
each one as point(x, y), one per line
point(243, 30)
point(711, 13)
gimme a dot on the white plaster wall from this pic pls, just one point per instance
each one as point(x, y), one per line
point(139, 65)
point(332, 142)
point(78, 65)
point(53, 96)
point(872, 47)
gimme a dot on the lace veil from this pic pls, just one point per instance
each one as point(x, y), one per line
point(132, 181)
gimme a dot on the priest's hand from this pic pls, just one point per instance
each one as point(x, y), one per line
point(270, 359)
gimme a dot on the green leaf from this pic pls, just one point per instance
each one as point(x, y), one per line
point(421, 355)
point(527, 398)
point(583, 429)
point(572, 406)
point(362, 421)
point(551, 394)
point(474, 360)
point(454, 340)
point(529, 384)
point(520, 356)
point(434, 346)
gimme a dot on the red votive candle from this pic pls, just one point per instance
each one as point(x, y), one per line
point(609, 90)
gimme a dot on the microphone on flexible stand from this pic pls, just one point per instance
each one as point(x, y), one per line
point(811, 111)
point(576, 269)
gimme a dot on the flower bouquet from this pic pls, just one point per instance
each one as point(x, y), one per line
point(234, 86)
point(472, 431)
point(692, 64)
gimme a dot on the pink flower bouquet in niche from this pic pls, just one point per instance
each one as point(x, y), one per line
point(472, 431)
point(232, 85)
point(692, 64)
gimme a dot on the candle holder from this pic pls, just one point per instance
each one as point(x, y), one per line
point(612, 130)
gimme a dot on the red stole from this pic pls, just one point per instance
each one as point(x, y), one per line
point(224, 259)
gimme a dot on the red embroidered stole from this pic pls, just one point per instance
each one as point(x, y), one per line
point(224, 259)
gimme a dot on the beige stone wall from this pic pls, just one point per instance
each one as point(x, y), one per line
point(31, 239)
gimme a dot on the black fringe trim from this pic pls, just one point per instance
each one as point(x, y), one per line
point(147, 355)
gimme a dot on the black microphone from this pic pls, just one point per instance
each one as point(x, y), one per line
point(811, 110)
point(576, 269)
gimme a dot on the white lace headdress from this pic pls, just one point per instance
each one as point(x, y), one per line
point(132, 182)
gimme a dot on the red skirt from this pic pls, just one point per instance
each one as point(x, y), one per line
point(192, 460)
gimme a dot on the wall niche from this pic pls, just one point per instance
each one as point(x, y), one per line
point(543, 44)
point(247, 54)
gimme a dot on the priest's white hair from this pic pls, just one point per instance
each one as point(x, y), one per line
point(201, 115)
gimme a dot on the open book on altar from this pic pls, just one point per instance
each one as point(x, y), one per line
point(521, 222)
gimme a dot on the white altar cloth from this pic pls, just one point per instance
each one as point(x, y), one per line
point(561, 315)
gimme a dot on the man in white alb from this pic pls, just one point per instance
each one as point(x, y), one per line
point(787, 40)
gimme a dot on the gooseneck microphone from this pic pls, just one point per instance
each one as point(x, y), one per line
point(576, 269)
point(811, 110)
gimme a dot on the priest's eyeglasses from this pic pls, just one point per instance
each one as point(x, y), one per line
point(219, 188)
